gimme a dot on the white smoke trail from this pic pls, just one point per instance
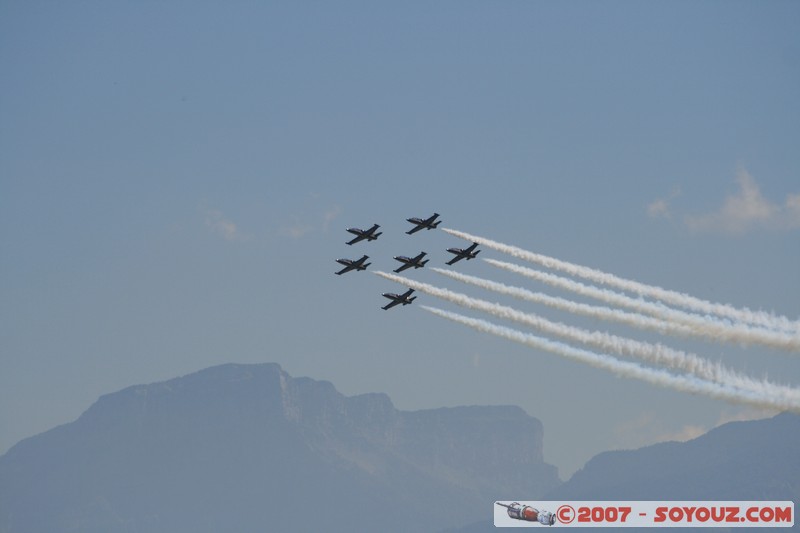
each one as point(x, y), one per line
point(656, 353)
point(760, 318)
point(604, 313)
point(701, 326)
point(661, 378)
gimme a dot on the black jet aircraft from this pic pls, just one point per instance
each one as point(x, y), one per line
point(397, 299)
point(463, 253)
point(427, 223)
point(409, 262)
point(353, 264)
point(362, 234)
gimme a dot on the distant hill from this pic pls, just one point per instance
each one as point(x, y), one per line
point(249, 448)
point(755, 460)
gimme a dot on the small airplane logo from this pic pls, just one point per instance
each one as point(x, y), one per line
point(409, 262)
point(527, 513)
point(463, 253)
point(397, 299)
point(362, 234)
point(427, 223)
point(353, 264)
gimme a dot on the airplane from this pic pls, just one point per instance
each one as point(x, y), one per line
point(426, 223)
point(353, 264)
point(463, 253)
point(409, 262)
point(362, 234)
point(527, 513)
point(398, 298)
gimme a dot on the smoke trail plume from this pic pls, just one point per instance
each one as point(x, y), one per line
point(701, 326)
point(624, 368)
point(604, 313)
point(656, 353)
point(760, 318)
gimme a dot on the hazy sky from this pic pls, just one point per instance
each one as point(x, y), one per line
point(176, 178)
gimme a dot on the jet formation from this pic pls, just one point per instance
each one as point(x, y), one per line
point(415, 262)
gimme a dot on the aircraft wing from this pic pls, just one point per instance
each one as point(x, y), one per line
point(391, 304)
point(471, 248)
point(357, 238)
point(415, 229)
point(348, 268)
point(406, 294)
point(457, 258)
point(402, 267)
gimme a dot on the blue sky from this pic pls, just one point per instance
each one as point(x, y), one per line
point(176, 177)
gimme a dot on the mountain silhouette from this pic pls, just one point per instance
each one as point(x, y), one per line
point(753, 460)
point(249, 448)
point(757, 460)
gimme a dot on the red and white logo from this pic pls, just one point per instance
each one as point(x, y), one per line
point(645, 514)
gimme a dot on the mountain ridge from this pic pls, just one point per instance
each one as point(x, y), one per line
point(741, 460)
point(243, 447)
point(240, 445)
